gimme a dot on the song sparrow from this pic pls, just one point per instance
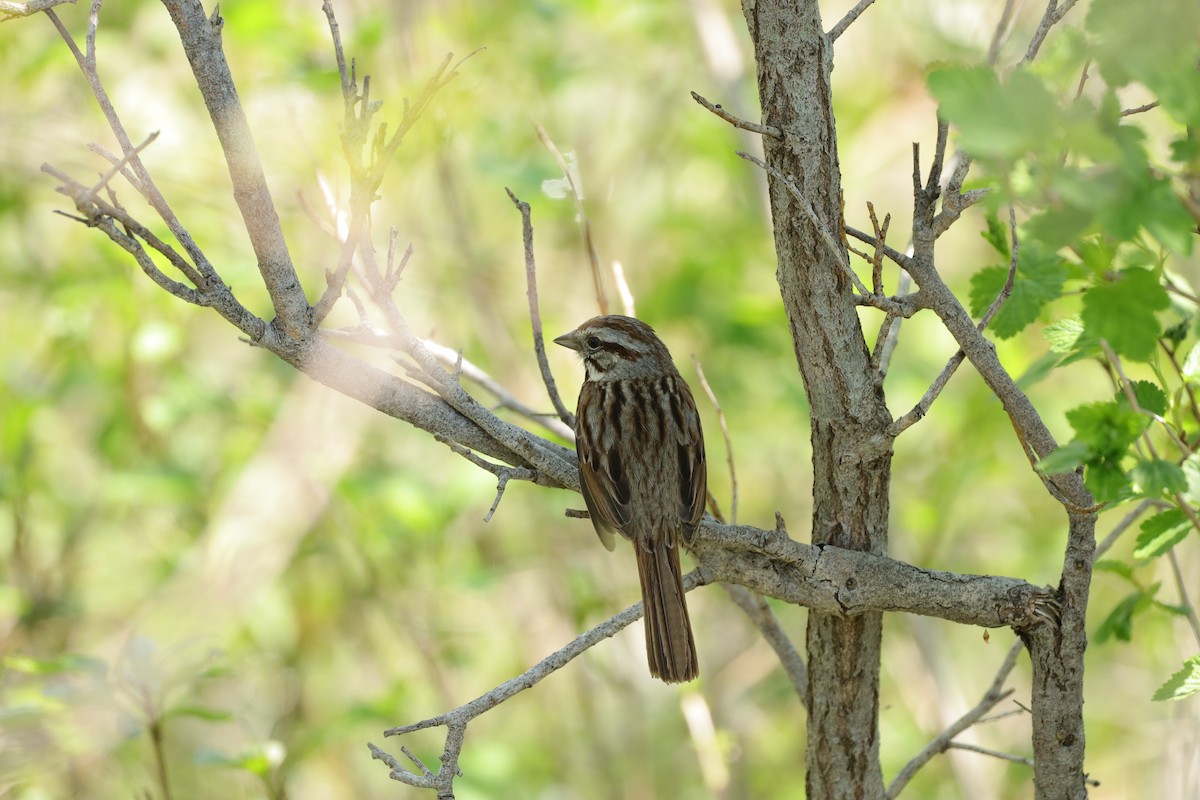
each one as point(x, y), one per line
point(642, 470)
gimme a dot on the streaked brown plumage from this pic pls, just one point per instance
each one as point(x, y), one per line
point(642, 470)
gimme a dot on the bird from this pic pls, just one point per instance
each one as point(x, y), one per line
point(643, 472)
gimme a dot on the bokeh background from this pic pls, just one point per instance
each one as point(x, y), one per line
point(214, 569)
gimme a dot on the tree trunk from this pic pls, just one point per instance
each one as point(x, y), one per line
point(847, 408)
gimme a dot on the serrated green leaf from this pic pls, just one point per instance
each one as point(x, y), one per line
point(1160, 533)
point(1066, 458)
point(1155, 477)
point(1105, 479)
point(1063, 335)
point(1184, 683)
point(985, 285)
point(1148, 395)
point(1068, 336)
point(1038, 280)
point(1123, 312)
point(1107, 427)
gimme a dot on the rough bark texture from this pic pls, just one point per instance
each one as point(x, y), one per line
point(850, 487)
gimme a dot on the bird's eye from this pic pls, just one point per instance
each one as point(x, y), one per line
point(593, 342)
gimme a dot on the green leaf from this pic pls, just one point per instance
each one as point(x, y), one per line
point(1068, 336)
point(1156, 477)
point(1038, 280)
point(1191, 364)
point(1065, 459)
point(1159, 50)
point(997, 236)
point(1105, 479)
point(1148, 395)
point(1182, 684)
point(1117, 567)
point(1123, 313)
point(1107, 427)
point(1160, 533)
point(1038, 370)
point(1119, 623)
point(1064, 334)
point(1191, 473)
point(994, 119)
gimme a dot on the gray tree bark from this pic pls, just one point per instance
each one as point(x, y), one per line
point(847, 409)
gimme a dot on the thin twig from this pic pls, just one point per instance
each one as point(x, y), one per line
point(738, 122)
point(1121, 527)
point(763, 617)
point(895, 256)
point(712, 398)
point(944, 740)
point(535, 314)
point(838, 253)
point(845, 22)
point(504, 398)
point(1006, 290)
point(577, 196)
point(144, 184)
point(918, 412)
point(1128, 112)
point(1000, 33)
point(456, 720)
point(503, 472)
point(623, 291)
point(1181, 587)
point(1054, 13)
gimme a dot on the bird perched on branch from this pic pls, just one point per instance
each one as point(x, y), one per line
point(642, 470)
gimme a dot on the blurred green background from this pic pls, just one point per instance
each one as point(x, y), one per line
point(213, 567)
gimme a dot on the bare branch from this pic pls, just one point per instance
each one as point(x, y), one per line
point(504, 397)
point(899, 259)
point(577, 196)
point(12, 9)
point(738, 122)
point(838, 253)
point(846, 21)
point(760, 613)
point(535, 315)
point(618, 273)
point(1121, 527)
point(712, 398)
point(1001, 32)
point(456, 720)
point(889, 333)
point(1054, 14)
point(144, 183)
point(944, 740)
point(1129, 112)
point(503, 472)
point(1006, 290)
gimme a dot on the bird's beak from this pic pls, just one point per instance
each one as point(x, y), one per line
point(568, 340)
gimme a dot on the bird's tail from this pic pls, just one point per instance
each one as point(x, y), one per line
point(670, 649)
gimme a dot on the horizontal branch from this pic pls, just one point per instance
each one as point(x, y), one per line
point(848, 582)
